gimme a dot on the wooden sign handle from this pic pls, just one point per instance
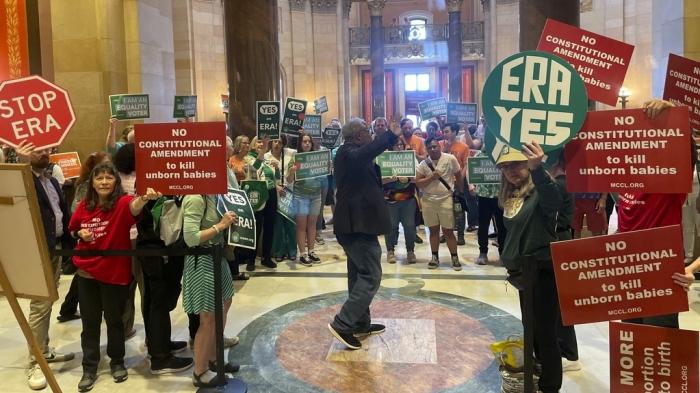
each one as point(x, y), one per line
point(9, 292)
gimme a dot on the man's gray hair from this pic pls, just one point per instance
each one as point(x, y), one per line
point(353, 127)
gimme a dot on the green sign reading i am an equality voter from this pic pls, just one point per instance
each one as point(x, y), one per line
point(397, 163)
point(129, 106)
point(312, 164)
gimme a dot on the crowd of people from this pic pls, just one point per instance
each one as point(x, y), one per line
point(528, 210)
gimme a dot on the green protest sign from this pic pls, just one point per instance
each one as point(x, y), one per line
point(185, 106)
point(257, 193)
point(294, 113)
point(312, 125)
point(242, 232)
point(268, 119)
point(330, 137)
point(397, 163)
point(129, 106)
point(482, 170)
point(321, 105)
point(432, 108)
point(284, 205)
point(461, 113)
point(534, 96)
point(312, 164)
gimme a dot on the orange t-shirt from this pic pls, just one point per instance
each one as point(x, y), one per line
point(417, 144)
point(459, 150)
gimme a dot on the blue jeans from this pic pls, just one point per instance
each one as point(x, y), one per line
point(364, 274)
point(403, 212)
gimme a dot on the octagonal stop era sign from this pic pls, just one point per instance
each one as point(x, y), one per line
point(34, 110)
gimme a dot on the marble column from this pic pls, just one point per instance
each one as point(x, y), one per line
point(486, 4)
point(454, 50)
point(534, 13)
point(376, 45)
point(252, 60)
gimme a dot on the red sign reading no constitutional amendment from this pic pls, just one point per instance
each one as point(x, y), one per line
point(625, 151)
point(601, 61)
point(181, 158)
point(652, 359)
point(621, 276)
point(683, 86)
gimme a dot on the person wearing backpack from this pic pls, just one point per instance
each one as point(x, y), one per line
point(162, 287)
point(203, 226)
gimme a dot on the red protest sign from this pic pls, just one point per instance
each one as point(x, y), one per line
point(601, 61)
point(34, 110)
point(652, 359)
point(181, 158)
point(69, 163)
point(626, 275)
point(626, 151)
point(683, 86)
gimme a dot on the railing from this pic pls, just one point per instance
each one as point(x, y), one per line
point(405, 34)
point(416, 42)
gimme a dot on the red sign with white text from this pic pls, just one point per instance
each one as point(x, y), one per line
point(652, 359)
point(34, 110)
point(69, 163)
point(683, 86)
point(626, 151)
point(621, 276)
point(181, 158)
point(601, 61)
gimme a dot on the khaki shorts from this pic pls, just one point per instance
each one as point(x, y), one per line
point(438, 213)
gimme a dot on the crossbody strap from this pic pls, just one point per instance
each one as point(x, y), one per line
point(444, 183)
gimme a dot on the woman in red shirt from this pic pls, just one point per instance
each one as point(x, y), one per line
point(102, 221)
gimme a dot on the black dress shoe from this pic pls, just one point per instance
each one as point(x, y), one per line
point(67, 317)
point(241, 276)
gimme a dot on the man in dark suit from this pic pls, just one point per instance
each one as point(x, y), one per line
point(360, 216)
point(54, 216)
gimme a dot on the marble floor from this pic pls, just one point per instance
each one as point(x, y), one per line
point(440, 324)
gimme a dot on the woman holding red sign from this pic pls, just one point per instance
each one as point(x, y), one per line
point(531, 199)
point(637, 211)
point(103, 221)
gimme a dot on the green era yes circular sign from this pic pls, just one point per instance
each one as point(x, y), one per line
point(534, 96)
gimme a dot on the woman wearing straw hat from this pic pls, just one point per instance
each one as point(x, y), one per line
point(531, 199)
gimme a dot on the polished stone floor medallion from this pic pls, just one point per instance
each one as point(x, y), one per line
point(434, 342)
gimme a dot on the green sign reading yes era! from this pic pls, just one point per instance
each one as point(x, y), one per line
point(294, 112)
point(313, 164)
point(330, 137)
point(242, 232)
point(184, 107)
point(534, 96)
point(129, 106)
point(397, 163)
point(268, 119)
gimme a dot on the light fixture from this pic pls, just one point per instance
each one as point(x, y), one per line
point(624, 95)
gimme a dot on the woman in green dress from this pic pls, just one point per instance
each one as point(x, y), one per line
point(203, 226)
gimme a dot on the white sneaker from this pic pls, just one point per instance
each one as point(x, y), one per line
point(570, 365)
point(390, 257)
point(35, 378)
point(482, 259)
